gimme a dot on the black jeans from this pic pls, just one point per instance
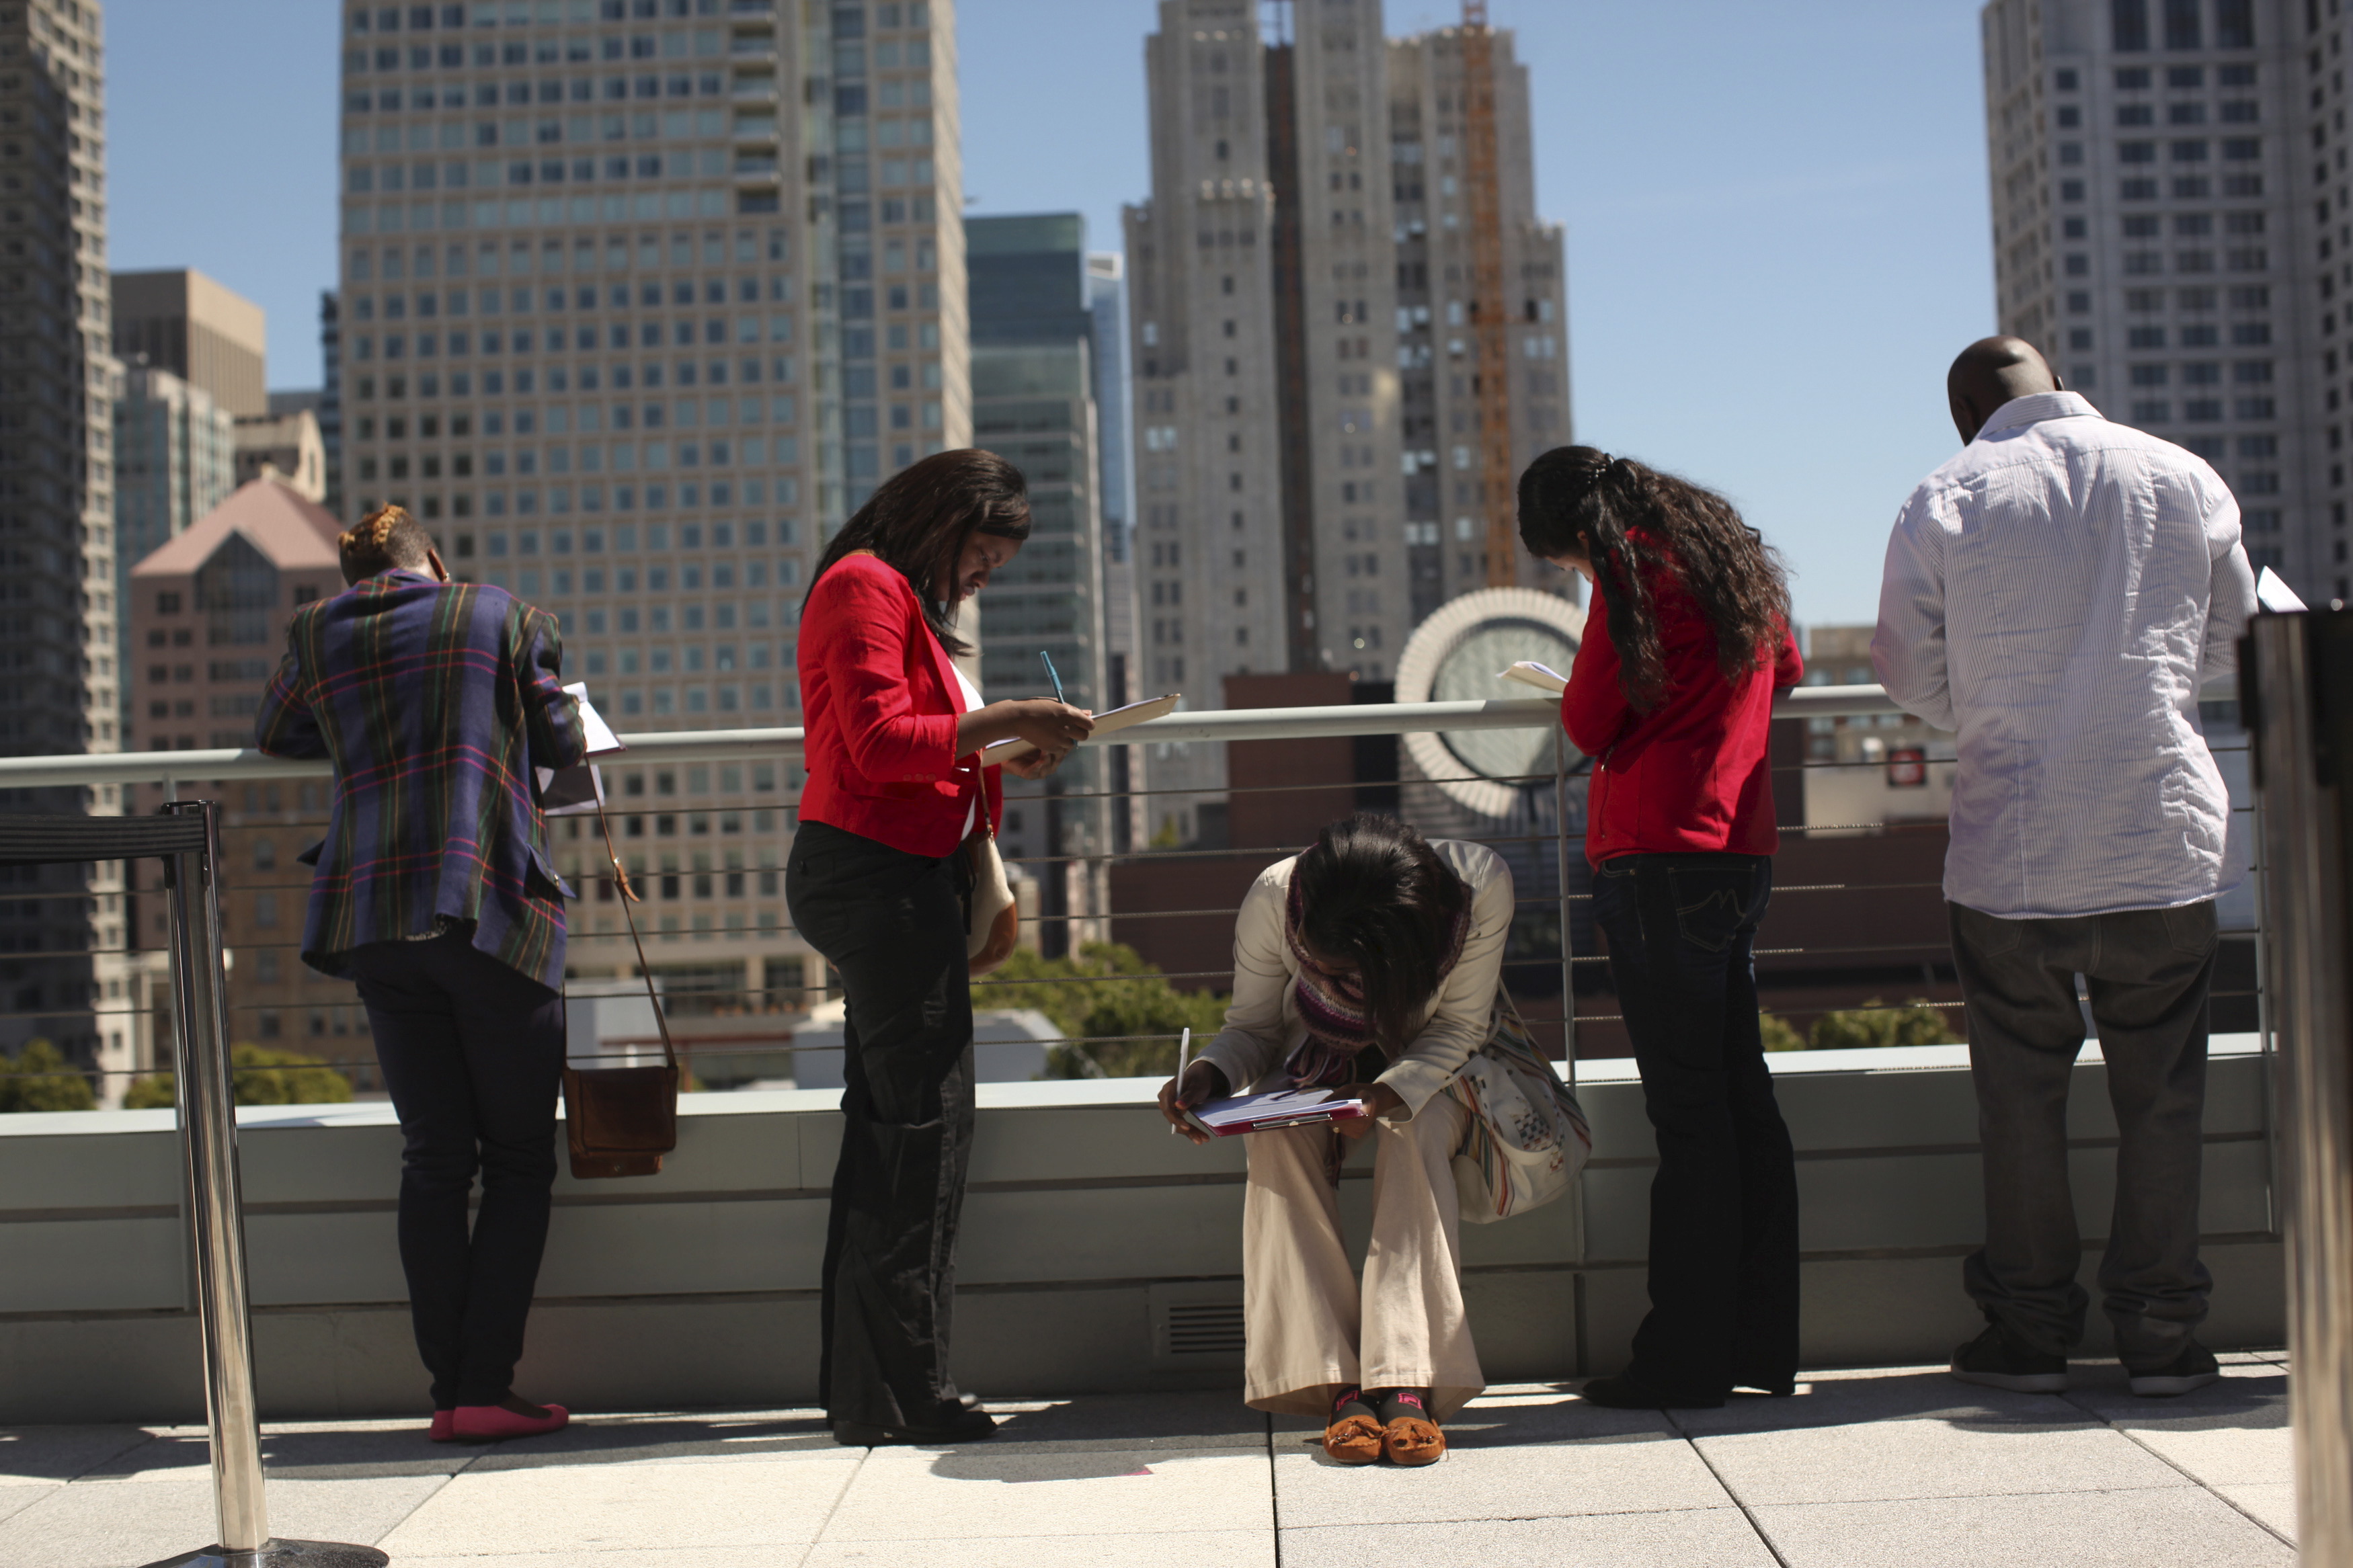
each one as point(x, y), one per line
point(2148, 973)
point(473, 1054)
point(892, 924)
point(1724, 1207)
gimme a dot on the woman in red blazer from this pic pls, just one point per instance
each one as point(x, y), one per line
point(1672, 695)
point(877, 883)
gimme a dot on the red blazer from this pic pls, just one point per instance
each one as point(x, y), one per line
point(881, 702)
point(1690, 775)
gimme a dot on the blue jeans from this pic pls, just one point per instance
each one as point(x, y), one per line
point(1724, 1207)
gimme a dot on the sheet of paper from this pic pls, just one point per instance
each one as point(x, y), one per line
point(1117, 719)
point(602, 742)
point(1543, 677)
point(2275, 595)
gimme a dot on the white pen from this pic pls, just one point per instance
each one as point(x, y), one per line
point(1184, 1049)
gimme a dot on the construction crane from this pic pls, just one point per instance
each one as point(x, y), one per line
point(1489, 307)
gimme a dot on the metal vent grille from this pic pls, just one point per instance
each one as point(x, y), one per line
point(1208, 1328)
point(1197, 1324)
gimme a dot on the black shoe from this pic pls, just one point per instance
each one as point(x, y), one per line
point(1622, 1392)
point(2195, 1367)
point(969, 1427)
point(1999, 1359)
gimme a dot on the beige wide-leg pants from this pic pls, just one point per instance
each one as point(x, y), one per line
point(1311, 1332)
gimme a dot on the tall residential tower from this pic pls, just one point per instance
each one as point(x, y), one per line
point(59, 614)
point(2159, 234)
point(1307, 455)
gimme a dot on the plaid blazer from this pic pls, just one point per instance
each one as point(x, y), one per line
point(435, 701)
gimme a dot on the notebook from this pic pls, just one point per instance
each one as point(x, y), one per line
point(1543, 677)
point(1117, 719)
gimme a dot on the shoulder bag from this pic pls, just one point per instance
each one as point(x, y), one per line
point(1528, 1138)
point(621, 1122)
point(992, 923)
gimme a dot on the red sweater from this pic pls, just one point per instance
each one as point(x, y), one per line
point(881, 703)
point(1690, 775)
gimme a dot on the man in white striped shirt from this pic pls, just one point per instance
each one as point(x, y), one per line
point(2057, 594)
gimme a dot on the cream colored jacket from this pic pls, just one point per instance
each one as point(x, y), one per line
point(1262, 1026)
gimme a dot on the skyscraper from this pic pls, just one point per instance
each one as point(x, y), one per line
point(2152, 236)
point(1123, 661)
point(1306, 368)
point(203, 332)
point(209, 336)
point(175, 461)
point(640, 298)
point(330, 398)
point(1033, 403)
point(58, 650)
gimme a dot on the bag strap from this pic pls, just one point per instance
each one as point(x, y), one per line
point(645, 972)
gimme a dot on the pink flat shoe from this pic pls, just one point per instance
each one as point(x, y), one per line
point(442, 1431)
point(496, 1422)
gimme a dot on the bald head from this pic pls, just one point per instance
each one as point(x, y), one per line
point(1989, 374)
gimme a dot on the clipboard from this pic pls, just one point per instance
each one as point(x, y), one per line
point(1117, 720)
point(1240, 1113)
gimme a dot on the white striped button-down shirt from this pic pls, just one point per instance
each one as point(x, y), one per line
point(2057, 594)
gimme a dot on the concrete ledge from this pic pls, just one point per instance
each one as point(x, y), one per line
point(697, 1286)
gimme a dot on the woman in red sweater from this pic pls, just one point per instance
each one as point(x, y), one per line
point(1685, 643)
point(876, 882)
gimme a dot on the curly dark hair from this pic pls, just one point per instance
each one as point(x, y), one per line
point(1631, 520)
point(1374, 894)
point(919, 519)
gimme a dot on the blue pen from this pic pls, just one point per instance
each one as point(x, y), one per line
point(1051, 676)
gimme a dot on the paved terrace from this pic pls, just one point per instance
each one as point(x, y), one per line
point(1904, 1466)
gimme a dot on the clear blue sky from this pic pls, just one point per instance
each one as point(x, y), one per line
point(1777, 224)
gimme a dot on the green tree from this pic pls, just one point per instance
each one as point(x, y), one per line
point(262, 1077)
point(1875, 1024)
point(39, 1078)
point(1778, 1034)
point(1140, 1003)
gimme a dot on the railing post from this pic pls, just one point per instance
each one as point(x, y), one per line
point(1560, 877)
point(2300, 679)
point(216, 1224)
point(1568, 1022)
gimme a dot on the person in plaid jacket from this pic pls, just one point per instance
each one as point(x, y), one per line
point(434, 893)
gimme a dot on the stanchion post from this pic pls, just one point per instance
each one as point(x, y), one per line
point(2301, 682)
point(216, 1224)
point(215, 1204)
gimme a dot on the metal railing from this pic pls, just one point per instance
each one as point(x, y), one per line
point(780, 747)
point(201, 1025)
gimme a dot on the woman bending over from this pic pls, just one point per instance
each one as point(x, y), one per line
point(1372, 960)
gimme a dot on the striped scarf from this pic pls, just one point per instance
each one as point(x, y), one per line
point(1338, 1019)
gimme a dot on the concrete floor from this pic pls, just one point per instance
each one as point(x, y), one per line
point(1903, 1467)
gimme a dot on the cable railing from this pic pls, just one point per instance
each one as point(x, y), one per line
point(1555, 953)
